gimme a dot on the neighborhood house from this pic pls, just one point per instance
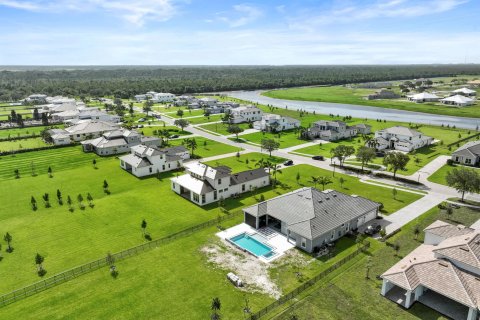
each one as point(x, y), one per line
point(443, 273)
point(312, 218)
point(245, 114)
point(399, 138)
point(423, 97)
point(147, 160)
point(458, 100)
point(203, 184)
point(335, 130)
point(86, 129)
point(468, 154)
point(382, 94)
point(275, 123)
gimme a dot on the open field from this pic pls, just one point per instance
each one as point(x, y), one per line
point(149, 130)
point(221, 128)
point(29, 143)
point(19, 132)
point(208, 148)
point(172, 112)
point(341, 94)
point(200, 120)
point(68, 239)
point(240, 163)
point(440, 175)
point(286, 139)
point(360, 297)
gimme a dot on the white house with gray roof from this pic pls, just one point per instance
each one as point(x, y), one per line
point(147, 160)
point(203, 184)
point(312, 218)
point(83, 130)
point(468, 154)
point(443, 273)
point(399, 138)
point(245, 114)
point(276, 123)
point(335, 130)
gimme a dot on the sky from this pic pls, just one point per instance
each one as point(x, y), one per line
point(229, 32)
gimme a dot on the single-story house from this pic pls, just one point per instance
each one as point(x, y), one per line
point(458, 100)
point(311, 217)
point(382, 94)
point(147, 160)
point(203, 184)
point(399, 138)
point(83, 130)
point(443, 273)
point(423, 97)
point(465, 92)
point(468, 154)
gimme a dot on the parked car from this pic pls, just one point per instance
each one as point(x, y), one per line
point(373, 229)
point(321, 158)
point(288, 163)
point(140, 126)
point(380, 154)
point(141, 120)
point(175, 136)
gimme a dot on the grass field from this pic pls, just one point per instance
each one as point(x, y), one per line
point(286, 139)
point(241, 163)
point(149, 130)
point(440, 175)
point(22, 144)
point(200, 120)
point(154, 284)
point(19, 132)
point(341, 94)
point(208, 148)
point(360, 298)
point(221, 128)
point(172, 112)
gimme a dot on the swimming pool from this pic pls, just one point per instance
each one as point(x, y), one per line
point(252, 245)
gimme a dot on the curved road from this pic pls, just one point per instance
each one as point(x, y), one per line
point(358, 111)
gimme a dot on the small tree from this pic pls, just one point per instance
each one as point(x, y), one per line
point(191, 143)
point(46, 200)
point(180, 113)
point(270, 145)
point(50, 172)
point(110, 260)
point(234, 129)
point(105, 187)
point(39, 262)
point(144, 227)
point(80, 201)
point(449, 212)
point(94, 162)
point(8, 239)
point(33, 202)
point(16, 172)
point(324, 181)
point(342, 181)
point(90, 200)
point(394, 193)
point(216, 306)
point(396, 161)
point(396, 247)
point(365, 155)
point(182, 123)
point(368, 266)
point(416, 231)
point(359, 240)
point(463, 180)
point(298, 177)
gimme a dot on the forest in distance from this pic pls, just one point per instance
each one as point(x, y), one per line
point(16, 82)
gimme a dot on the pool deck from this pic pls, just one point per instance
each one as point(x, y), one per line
point(271, 238)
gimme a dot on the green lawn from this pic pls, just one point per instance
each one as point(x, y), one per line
point(153, 284)
point(245, 161)
point(200, 120)
point(286, 139)
point(19, 132)
point(440, 175)
point(149, 130)
point(221, 128)
point(22, 144)
point(360, 298)
point(172, 112)
point(208, 148)
point(341, 94)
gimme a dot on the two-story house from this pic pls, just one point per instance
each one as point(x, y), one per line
point(276, 123)
point(399, 138)
point(245, 114)
point(203, 184)
point(148, 160)
point(335, 130)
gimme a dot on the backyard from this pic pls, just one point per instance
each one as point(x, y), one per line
point(29, 143)
point(221, 128)
point(206, 147)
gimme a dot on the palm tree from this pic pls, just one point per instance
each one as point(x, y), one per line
point(191, 143)
point(315, 180)
point(59, 197)
point(49, 172)
point(8, 239)
point(275, 168)
point(46, 198)
point(105, 186)
point(80, 200)
point(17, 173)
point(94, 162)
point(324, 181)
point(342, 181)
point(416, 231)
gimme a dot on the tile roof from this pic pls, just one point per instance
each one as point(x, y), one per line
point(447, 230)
point(471, 148)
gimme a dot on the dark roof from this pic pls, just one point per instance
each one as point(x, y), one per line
point(311, 213)
point(471, 148)
point(249, 175)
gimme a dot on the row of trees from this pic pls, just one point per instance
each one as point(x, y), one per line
point(125, 82)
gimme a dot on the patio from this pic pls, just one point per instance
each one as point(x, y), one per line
point(444, 305)
point(267, 235)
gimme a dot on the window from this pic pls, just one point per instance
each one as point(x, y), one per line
point(333, 235)
point(304, 243)
point(169, 165)
point(150, 169)
point(174, 186)
point(196, 198)
point(203, 198)
point(226, 189)
point(243, 188)
point(468, 161)
point(215, 195)
point(219, 181)
point(163, 167)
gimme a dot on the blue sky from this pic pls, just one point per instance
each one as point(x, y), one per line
point(226, 32)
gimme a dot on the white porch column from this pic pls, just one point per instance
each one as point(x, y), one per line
point(408, 299)
point(384, 287)
point(472, 314)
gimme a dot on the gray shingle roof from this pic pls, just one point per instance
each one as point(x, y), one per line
point(469, 148)
point(312, 213)
point(249, 175)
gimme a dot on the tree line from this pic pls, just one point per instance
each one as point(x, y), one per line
point(125, 82)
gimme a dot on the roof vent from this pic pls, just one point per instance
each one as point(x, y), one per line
point(443, 264)
point(354, 196)
point(464, 249)
point(334, 195)
point(320, 201)
point(327, 198)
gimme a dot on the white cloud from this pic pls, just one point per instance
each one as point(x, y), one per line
point(244, 14)
point(379, 9)
point(136, 12)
